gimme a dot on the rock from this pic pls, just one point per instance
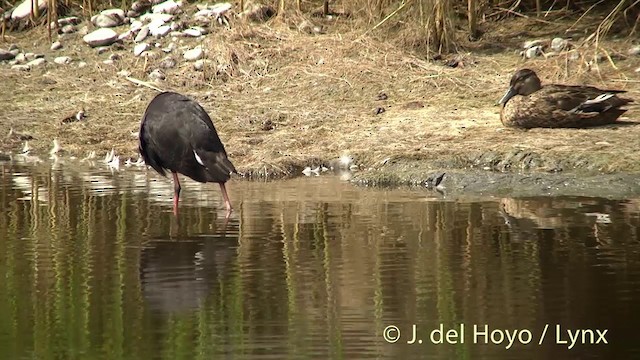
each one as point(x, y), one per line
point(20, 58)
point(167, 7)
point(532, 52)
point(115, 12)
point(140, 48)
point(124, 73)
point(114, 57)
point(531, 43)
point(168, 63)
point(559, 44)
point(37, 62)
point(150, 17)
point(106, 21)
point(24, 9)
point(199, 65)
point(82, 64)
point(125, 35)
point(100, 37)
point(108, 62)
point(13, 47)
point(574, 55)
point(6, 55)
point(169, 48)
point(638, 70)
point(102, 50)
point(71, 20)
point(160, 31)
point(15, 52)
point(56, 45)
point(62, 60)
point(136, 25)
point(634, 50)
point(68, 29)
point(194, 54)
point(21, 67)
point(157, 75)
point(192, 32)
point(141, 6)
point(178, 25)
point(142, 34)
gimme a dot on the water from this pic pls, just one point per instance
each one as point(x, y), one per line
point(95, 266)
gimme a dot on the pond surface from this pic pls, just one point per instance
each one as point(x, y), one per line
point(95, 266)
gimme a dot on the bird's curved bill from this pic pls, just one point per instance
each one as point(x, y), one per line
point(508, 95)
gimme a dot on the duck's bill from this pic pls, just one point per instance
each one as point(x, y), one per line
point(508, 95)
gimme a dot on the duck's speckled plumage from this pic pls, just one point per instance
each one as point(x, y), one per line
point(528, 104)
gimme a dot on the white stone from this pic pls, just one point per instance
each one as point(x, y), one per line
point(106, 21)
point(136, 25)
point(169, 48)
point(140, 48)
point(21, 67)
point(119, 13)
point(36, 62)
point(62, 60)
point(157, 75)
point(194, 54)
point(108, 62)
point(20, 58)
point(82, 64)
point(142, 34)
point(634, 50)
point(220, 8)
point(24, 9)
point(192, 32)
point(56, 45)
point(68, 29)
point(559, 44)
point(199, 65)
point(101, 37)
point(167, 7)
point(160, 31)
point(150, 17)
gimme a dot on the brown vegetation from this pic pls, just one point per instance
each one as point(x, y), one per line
point(283, 99)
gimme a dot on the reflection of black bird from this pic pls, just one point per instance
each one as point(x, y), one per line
point(177, 134)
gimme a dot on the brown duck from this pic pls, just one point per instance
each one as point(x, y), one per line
point(557, 106)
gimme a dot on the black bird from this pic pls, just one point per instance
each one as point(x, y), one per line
point(177, 134)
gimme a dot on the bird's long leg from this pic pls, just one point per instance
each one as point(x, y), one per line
point(176, 193)
point(227, 203)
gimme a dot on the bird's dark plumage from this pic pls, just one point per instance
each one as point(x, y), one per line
point(177, 134)
point(528, 104)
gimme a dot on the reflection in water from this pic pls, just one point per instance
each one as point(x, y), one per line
point(94, 265)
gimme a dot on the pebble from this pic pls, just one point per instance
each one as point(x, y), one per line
point(150, 17)
point(62, 60)
point(20, 58)
point(559, 44)
point(160, 31)
point(102, 49)
point(36, 62)
point(533, 52)
point(136, 25)
point(56, 45)
point(194, 54)
point(142, 34)
point(199, 65)
point(29, 56)
point(82, 64)
point(634, 50)
point(21, 67)
point(68, 29)
point(157, 75)
point(192, 32)
point(532, 43)
point(24, 9)
point(172, 46)
point(140, 48)
point(167, 7)
point(114, 57)
point(106, 21)
point(108, 62)
point(168, 63)
point(100, 37)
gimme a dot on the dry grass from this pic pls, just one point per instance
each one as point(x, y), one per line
point(283, 99)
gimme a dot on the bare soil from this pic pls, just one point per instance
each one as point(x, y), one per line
point(282, 100)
